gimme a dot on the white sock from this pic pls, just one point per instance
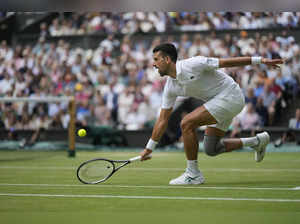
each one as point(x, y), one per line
point(192, 166)
point(250, 142)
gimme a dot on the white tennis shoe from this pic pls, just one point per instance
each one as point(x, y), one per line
point(188, 178)
point(260, 149)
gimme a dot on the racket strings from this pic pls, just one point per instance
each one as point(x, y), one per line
point(96, 170)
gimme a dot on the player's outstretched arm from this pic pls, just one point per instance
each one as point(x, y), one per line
point(160, 127)
point(272, 62)
point(243, 61)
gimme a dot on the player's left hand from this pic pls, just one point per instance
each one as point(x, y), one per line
point(272, 62)
point(145, 154)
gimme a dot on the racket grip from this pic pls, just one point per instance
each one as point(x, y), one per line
point(138, 158)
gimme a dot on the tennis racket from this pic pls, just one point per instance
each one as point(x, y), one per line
point(98, 170)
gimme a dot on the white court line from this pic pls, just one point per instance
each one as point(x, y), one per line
point(38, 167)
point(157, 169)
point(151, 197)
point(153, 187)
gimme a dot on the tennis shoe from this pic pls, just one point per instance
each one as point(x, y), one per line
point(260, 149)
point(188, 178)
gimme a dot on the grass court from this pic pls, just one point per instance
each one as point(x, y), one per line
point(42, 187)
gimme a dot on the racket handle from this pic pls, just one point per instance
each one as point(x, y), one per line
point(138, 158)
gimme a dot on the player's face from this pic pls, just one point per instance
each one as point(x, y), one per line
point(161, 63)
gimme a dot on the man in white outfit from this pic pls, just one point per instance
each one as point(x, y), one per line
point(201, 78)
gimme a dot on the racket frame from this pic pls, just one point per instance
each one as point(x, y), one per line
point(113, 162)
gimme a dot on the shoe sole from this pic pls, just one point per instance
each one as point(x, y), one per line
point(261, 148)
point(190, 183)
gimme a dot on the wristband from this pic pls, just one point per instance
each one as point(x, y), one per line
point(255, 60)
point(151, 144)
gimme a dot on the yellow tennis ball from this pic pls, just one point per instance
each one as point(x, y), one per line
point(81, 132)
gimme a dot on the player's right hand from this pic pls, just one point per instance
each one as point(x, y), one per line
point(273, 62)
point(145, 154)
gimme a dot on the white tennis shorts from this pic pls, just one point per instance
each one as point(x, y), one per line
point(225, 106)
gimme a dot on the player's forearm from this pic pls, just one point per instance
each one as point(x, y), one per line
point(159, 129)
point(237, 61)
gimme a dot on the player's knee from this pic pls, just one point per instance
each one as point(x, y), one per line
point(210, 152)
point(213, 145)
point(186, 125)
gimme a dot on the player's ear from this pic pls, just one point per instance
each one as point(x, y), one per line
point(168, 59)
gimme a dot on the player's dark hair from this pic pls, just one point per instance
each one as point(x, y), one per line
point(168, 50)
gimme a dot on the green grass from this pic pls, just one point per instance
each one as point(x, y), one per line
point(52, 176)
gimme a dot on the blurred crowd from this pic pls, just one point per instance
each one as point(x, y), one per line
point(123, 90)
point(4, 15)
point(144, 22)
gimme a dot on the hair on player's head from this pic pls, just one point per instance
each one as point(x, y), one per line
point(167, 49)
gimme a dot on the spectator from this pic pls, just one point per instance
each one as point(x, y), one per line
point(135, 120)
point(56, 123)
point(125, 100)
point(294, 123)
point(111, 101)
point(83, 112)
point(269, 99)
point(131, 22)
point(44, 32)
point(6, 84)
point(185, 43)
point(24, 122)
point(262, 111)
point(100, 112)
point(250, 97)
point(290, 135)
point(10, 123)
point(60, 69)
point(109, 43)
point(39, 124)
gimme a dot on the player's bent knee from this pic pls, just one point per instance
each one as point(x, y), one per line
point(213, 145)
point(186, 125)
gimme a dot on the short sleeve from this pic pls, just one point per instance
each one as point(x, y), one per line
point(200, 63)
point(168, 98)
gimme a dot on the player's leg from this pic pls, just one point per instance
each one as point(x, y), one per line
point(200, 116)
point(224, 109)
point(214, 144)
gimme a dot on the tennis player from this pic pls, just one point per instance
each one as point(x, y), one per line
point(200, 77)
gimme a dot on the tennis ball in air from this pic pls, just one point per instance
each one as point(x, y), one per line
point(81, 132)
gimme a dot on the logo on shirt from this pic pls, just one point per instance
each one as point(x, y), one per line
point(210, 61)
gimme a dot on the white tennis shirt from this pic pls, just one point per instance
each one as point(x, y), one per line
point(197, 77)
